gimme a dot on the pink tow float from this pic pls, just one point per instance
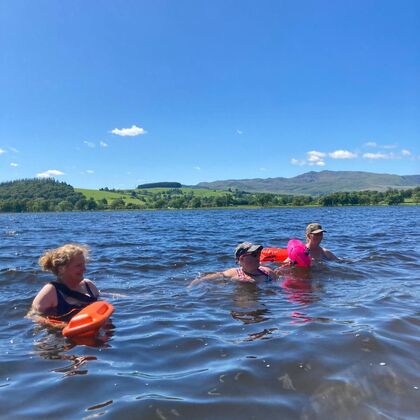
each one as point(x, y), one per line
point(298, 253)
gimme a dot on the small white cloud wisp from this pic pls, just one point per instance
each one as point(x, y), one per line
point(130, 132)
point(49, 173)
point(298, 162)
point(375, 156)
point(89, 144)
point(317, 158)
point(371, 144)
point(342, 154)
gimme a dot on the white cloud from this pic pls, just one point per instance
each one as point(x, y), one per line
point(405, 152)
point(379, 146)
point(14, 150)
point(371, 144)
point(89, 171)
point(89, 144)
point(240, 132)
point(315, 158)
point(50, 173)
point(14, 164)
point(375, 156)
point(297, 162)
point(263, 169)
point(197, 168)
point(2, 151)
point(103, 144)
point(342, 154)
point(131, 132)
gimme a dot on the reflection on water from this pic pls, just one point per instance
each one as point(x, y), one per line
point(53, 346)
point(337, 341)
point(251, 317)
point(75, 363)
point(300, 287)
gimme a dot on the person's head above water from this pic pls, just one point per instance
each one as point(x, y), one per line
point(247, 248)
point(55, 260)
point(314, 237)
point(314, 228)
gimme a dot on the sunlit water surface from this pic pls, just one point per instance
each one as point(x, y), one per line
point(340, 342)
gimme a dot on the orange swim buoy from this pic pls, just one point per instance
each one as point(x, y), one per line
point(273, 255)
point(89, 320)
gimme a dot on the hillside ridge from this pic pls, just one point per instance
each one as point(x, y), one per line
point(317, 183)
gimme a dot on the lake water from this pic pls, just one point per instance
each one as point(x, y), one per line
point(342, 342)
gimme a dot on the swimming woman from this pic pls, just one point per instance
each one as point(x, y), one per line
point(247, 256)
point(314, 236)
point(71, 291)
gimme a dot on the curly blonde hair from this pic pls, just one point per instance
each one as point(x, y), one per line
point(53, 259)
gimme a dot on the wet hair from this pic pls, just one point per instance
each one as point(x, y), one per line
point(53, 259)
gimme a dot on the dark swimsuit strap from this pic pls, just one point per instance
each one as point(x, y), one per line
point(74, 294)
point(262, 273)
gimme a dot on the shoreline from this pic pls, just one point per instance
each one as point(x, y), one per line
point(214, 208)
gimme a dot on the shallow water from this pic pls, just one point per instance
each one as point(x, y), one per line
point(341, 342)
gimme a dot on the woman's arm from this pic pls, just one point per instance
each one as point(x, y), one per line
point(212, 276)
point(271, 273)
point(45, 300)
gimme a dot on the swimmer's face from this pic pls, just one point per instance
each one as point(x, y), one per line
point(316, 237)
point(250, 259)
point(75, 269)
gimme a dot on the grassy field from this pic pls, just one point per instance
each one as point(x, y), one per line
point(109, 196)
point(145, 198)
point(195, 191)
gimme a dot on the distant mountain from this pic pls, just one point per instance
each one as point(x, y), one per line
point(316, 183)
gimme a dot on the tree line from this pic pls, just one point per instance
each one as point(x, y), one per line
point(50, 195)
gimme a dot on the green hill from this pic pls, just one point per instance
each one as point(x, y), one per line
point(47, 189)
point(34, 195)
point(317, 183)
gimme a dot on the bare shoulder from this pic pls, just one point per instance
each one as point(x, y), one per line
point(328, 254)
point(231, 272)
point(92, 286)
point(47, 290)
point(45, 299)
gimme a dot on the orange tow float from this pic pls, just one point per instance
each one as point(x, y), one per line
point(89, 320)
point(85, 323)
point(274, 254)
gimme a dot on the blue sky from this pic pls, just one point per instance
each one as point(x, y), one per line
point(118, 93)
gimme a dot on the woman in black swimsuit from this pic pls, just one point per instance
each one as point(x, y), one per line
point(71, 291)
point(247, 255)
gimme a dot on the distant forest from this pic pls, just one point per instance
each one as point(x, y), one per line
point(43, 195)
